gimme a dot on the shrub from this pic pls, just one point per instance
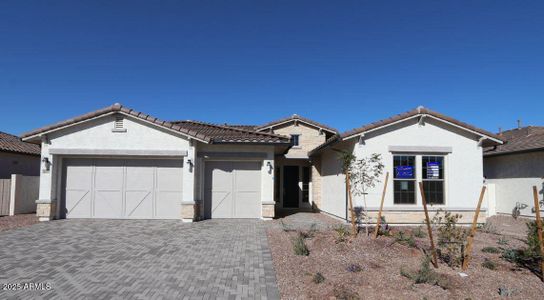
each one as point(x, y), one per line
point(506, 292)
point(299, 246)
point(419, 233)
point(533, 245)
point(489, 264)
point(512, 255)
point(528, 257)
point(342, 233)
point(384, 229)
point(491, 250)
point(309, 233)
point(487, 227)
point(318, 278)
point(502, 241)
point(285, 227)
point(354, 268)
point(451, 238)
point(343, 293)
point(425, 274)
point(405, 239)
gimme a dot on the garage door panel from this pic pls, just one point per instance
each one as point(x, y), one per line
point(108, 204)
point(78, 203)
point(168, 204)
point(245, 205)
point(232, 189)
point(139, 204)
point(123, 188)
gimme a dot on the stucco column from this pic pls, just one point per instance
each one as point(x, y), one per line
point(189, 207)
point(46, 205)
point(267, 187)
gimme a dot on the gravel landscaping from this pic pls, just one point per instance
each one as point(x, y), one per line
point(11, 222)
point(364, 268)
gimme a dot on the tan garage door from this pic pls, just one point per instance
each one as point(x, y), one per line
point(232, 189)
point(122, 188)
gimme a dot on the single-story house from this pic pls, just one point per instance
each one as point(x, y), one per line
point(416, 146)
point(18, 157)
point(515, 167)
point(120, 163)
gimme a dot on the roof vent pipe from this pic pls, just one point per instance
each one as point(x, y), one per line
point(500, 130)
point(519, 124)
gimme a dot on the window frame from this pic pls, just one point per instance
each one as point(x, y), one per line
point(441, 172)
point(414, 179)
point(297, 145)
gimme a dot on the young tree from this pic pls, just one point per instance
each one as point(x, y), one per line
point(361, 175)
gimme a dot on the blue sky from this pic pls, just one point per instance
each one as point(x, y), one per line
point(342, 63)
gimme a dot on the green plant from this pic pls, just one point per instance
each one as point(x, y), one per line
point(450, 238)
point(405, 239)
point(512, 255)
point(533, 245)
point(310, 233)
point(299, 246)
point(342, 233)
point(489, 264)
point(318, 278)
point(502, 241)
point(491, 250)
point(528, 257)
point(425, 274)
point(419, 233)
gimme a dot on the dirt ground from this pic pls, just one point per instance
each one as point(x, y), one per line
point(382, 259)
point(10, 222)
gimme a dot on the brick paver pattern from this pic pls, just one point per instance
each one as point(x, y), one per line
point(139, 259)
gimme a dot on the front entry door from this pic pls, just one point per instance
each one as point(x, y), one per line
point(291, 189)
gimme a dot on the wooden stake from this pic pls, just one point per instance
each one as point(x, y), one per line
point(348, 186)
point(470, 238)
point(429, 229)
point(381, 206)
point(539, 229)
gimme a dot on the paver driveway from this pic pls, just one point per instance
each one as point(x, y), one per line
point(139, 259)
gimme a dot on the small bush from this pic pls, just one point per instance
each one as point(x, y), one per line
point(419, 233)
point(318, 278)
point(384, 229)
point(285, 227)
point(299, 246)
point(533, 245)
point(491, 250)
point(309, 233)
point(342, 233)
point(489, 264)
point(512, 255)
point(354, 268)
point(506, 292)
point(343, 293)
point(405, 239)
point(451, 238)
point(502, 241)
point(487, 227)
point(425, 274)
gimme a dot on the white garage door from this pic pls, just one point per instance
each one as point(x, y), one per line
point(122, 189)
point(232, 189)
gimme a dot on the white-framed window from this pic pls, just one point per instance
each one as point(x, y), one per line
point(432, 168)
point(295, 140)
point(404, 179)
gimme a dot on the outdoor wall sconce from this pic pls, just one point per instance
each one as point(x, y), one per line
point(269, 165)
point(46, 164)
point(190, 162)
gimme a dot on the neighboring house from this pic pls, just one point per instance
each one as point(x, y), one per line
point(417, 146)
point(119, 163)
point(18, 157)
point(515, 168)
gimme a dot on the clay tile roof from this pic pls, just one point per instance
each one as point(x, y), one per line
point(209, 133)
point(231, 134)
point(414, 112)
point(12, 143)
point(525, 139)
point(300, 118)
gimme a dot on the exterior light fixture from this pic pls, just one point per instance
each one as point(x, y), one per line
point(46, 164)
point(191, 164)
point(269, 165)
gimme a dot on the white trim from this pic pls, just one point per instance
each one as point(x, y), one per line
point(293, 120)
point(108, 114)
point(417, 116)
point(420, 149)
point(117, 152)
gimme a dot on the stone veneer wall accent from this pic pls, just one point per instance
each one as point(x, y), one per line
point(308, 140)
point(46, 211)
point(189, 211)
point(268, 210)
